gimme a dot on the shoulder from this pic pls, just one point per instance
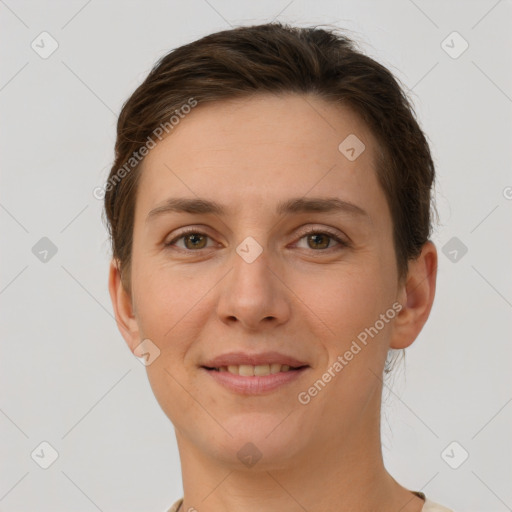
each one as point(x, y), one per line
point(176, 506)
point(431, 506)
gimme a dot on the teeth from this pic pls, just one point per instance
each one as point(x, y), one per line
point(247, 370)
point(275, 368)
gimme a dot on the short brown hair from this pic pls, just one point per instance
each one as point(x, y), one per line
point(277, 58)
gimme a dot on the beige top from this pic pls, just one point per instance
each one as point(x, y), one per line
point(429, 506)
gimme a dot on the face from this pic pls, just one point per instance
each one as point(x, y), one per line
point(294, 267)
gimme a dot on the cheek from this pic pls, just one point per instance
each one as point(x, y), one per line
point(164, 300)
point(349, 302)
point(345, 299)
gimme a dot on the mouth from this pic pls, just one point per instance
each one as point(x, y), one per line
point(260, 370)
point(261, 379)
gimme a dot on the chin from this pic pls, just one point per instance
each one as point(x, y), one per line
point(260, 441)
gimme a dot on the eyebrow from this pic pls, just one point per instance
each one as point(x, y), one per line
point(290, 206)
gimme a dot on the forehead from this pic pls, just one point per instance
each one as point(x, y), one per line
point(263, 148)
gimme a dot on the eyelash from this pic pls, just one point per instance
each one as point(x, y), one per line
point(312, 231)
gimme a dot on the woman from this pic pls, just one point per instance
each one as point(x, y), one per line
point(270, 211)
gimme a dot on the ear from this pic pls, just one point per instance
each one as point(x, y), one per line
point(123, 307)
point(416, 296)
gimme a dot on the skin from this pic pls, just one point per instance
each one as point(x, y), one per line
point(297, 297)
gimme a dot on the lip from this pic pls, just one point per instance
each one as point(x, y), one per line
point(256, 385)
point(238, 358)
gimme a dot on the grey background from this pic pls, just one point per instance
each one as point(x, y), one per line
point(66, 375)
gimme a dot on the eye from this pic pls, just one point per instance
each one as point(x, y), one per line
point(192, 239)
point(316, 240)
point(321, 240)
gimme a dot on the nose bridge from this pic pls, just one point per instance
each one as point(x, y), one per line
point(251, 267)
point(252, 293)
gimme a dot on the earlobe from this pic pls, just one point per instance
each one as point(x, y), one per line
point(418, 296)
point(123, 307)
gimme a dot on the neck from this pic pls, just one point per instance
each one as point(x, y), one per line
point(346, 473)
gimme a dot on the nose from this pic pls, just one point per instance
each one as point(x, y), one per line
point(253, 294)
